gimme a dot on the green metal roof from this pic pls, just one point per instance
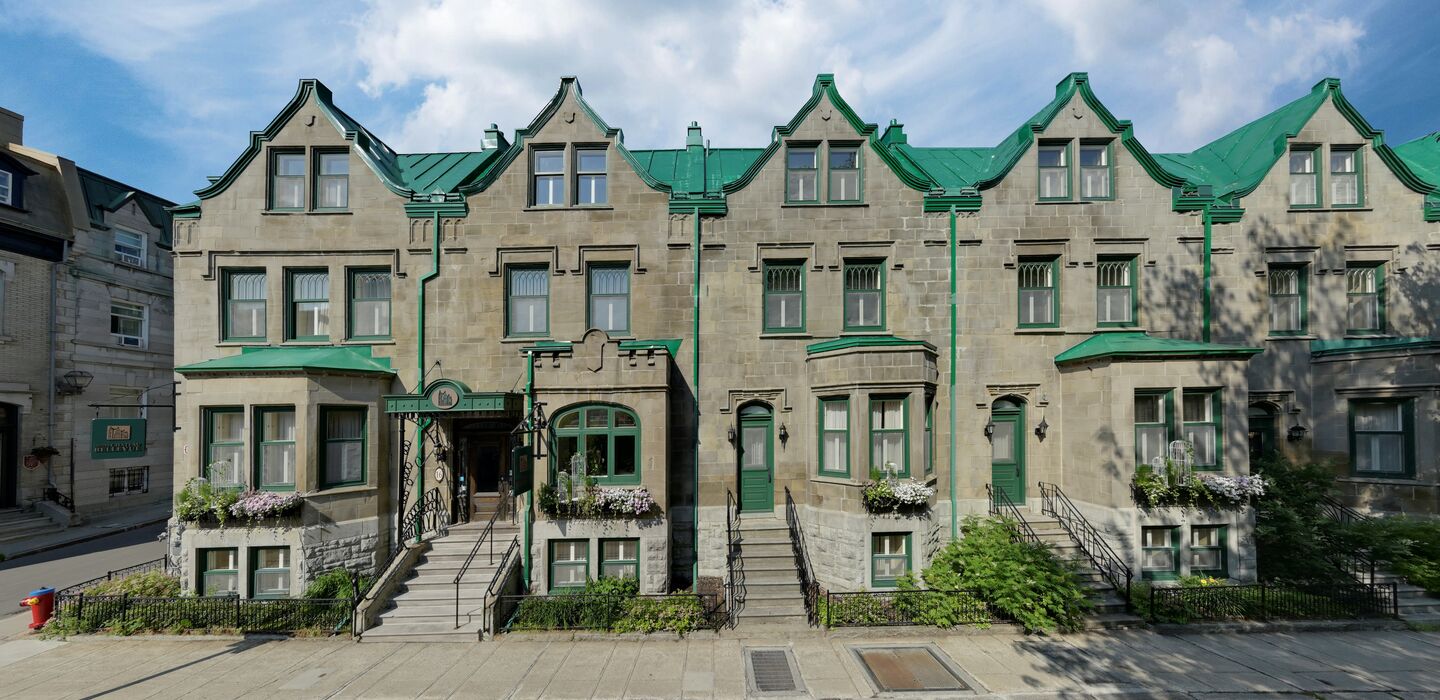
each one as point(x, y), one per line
point(672, 167)
point(671, 346)
point(326, 358)
point(1138, 345)
point(105, 195)
point(1323, 348)
point(951, 168)
point(1423, 156)
point(441, 172)
point(865, 341)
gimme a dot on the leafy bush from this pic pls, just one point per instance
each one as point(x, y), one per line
point(201, 501)
point(610, 604)
point(156, 584)
point(1174, 488)
point(1295, 538)
point(1021, 579)
point(334, 584)
point(1406, 546)
point(902, 495)
point(671, 614)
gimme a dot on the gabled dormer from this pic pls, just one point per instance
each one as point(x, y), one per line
point(12, 181)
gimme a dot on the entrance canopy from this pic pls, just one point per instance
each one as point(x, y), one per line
point(451, 398)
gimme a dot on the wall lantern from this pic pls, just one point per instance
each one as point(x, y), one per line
point(784, 434)
point(730, 435)
point(73, 382)
point(989, 428)
point(1296, 433)
point(1042, 428)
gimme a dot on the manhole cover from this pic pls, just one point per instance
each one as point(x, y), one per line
point(772, 671)
point(909, 669)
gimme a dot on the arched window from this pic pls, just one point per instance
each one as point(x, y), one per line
point(606, 438)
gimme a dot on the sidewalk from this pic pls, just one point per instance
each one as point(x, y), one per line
point(1132, 663)
point(128, 519)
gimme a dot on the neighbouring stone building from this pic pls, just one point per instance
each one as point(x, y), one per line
point(85, 326)
point(760, 332)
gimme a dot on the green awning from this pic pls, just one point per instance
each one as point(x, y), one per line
point(325, 358)
point(1323, 348)
point(1136, 345)
point(865, 341)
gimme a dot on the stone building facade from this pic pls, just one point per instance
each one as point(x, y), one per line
point(86, 295)
point(760, 332)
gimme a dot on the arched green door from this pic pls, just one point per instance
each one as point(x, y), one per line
point(1007, 449)
point(757, 459)
point(1263, 431)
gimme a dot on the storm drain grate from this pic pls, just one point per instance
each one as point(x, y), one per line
point(909, 669)
point(772, 671)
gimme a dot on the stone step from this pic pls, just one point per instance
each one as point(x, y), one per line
point(470, 591)
point(1426, 607)
point(754, 523)
point(772, 576)
point(1422, 619)
point(768, 562)
point(15, 514)
point(784, 622)
point(1117, 620)
point(433, 613)
point(768, 537)
point(14, 533)
point(772, 608)
point(422, 632)
point(771, 591)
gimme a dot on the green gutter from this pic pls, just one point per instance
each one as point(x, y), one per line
point(1205, 292)
point(420, 357)
point(695, 370)
point(530, 492)
point(954, 353)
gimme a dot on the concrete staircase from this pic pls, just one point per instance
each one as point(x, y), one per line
point(17, 525)
point(772, 592)
point(1109, 611)
point(1415, 606)
point(423, 610)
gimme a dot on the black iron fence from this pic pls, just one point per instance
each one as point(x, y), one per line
point(161, 564)
point(913, 607)
point(80, 613)
point(674, 612)
point(1263, 601)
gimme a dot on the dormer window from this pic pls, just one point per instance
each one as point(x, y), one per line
point(130, 247)
point(549, 173)
point(802, 175)
point(7, 188)
point(287, 181)
point(332, 181)
point(590, 184)
point(844, 174)
point(1054, 171)
point(1096, 171)
point(1346, 187)
point(1304, 181)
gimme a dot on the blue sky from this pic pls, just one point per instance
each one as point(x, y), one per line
point(161, 93)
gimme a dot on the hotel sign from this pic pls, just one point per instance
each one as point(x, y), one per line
point(117, 438)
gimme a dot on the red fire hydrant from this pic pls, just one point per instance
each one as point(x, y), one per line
point(41, 602)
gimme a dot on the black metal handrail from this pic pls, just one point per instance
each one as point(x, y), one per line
point(53, 494)
point(1358, 563)
point(486, 534)
point(734, 563)
point(163, 564)
point(502, 572)
point(802, 559)
point(1054, 503)
point(1001, 505)
point(1263, 601)
point(426, 517)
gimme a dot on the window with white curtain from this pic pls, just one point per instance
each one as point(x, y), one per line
point(1304, 181)
point(130, 247)
point(528, 312)
point(1287, 299)
point(1201, 426)
point(309, 305)
point(835, 436)
point(272, 572)
point(344, 446)
point(888, 435)
point(277, 448)
point(610, 298)
point(332, 182)
point(245, 305)
point(1379, 437)
point(370, 304)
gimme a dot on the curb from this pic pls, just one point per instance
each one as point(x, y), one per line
point(87, 538)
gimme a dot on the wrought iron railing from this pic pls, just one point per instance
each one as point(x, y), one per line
point(808, 585)
point(1002, 506)
point(89, 613)
point(915, 607)
point(601, 611)
point(426, 519)
point(1357, 562)
point(53, 494)
point(1054, 503)
point(734, 561)
point(161, 564)
point(486, 535)
point(1262, 601)
point(492, 610)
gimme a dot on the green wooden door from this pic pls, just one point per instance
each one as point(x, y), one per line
point(757, 460)
point(1263, 432)
point(1007, 450)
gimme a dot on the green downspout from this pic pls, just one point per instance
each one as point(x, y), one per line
point(1205, 292)
point(529, 493)
point(695, 372)
point(420, 359)
point(954, 354)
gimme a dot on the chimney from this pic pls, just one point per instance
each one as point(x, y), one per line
point(695, 148)
point(12, 128)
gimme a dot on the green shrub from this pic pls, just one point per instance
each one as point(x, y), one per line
point(200, 500)
point(335, 583)
point(1295, 538)
point(154, 584)
point(1406, 546)
point(610, 604)
point(671, 614)
point(1021, 579)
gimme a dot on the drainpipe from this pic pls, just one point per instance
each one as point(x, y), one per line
point(695, 376)
point(50, 379)
point(1205, 293)
point(530, 492)
point(424, 423)
point(954, 354)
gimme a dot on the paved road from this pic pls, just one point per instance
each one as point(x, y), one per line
point(77, 562)
point(1384, 664)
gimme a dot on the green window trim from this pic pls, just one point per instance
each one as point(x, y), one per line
point(591, 182)
point(843, 168)
point(609, 291)
point(843, 434)
point(1170, 550)
point(881, 432)
point(1107, 149)
point(322, 159)
point(362, 288)
point(204, 573)
point(229, 302)
point(329, 441)
point(1285, 283)
point(877, 558)
point(1111, 275)
point(274, 178)
point(1358, 160)
point(528, 290)
point(551, 180)
point(1405, 435)
point(1037, 276)
point(293, 303)
point(1356, 276)
point(929, 435)
point(569, 563)
point(1221, 548)
point(256, 571)
point(863, 279)
point(1314, 164)
point(1065, 166)
point(784, 283)
point(235, 447)
point(1213, 424)
point(620, 424)
point(799, 176)
point(263, 440)
point(1167, 407)
point(606, 562)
